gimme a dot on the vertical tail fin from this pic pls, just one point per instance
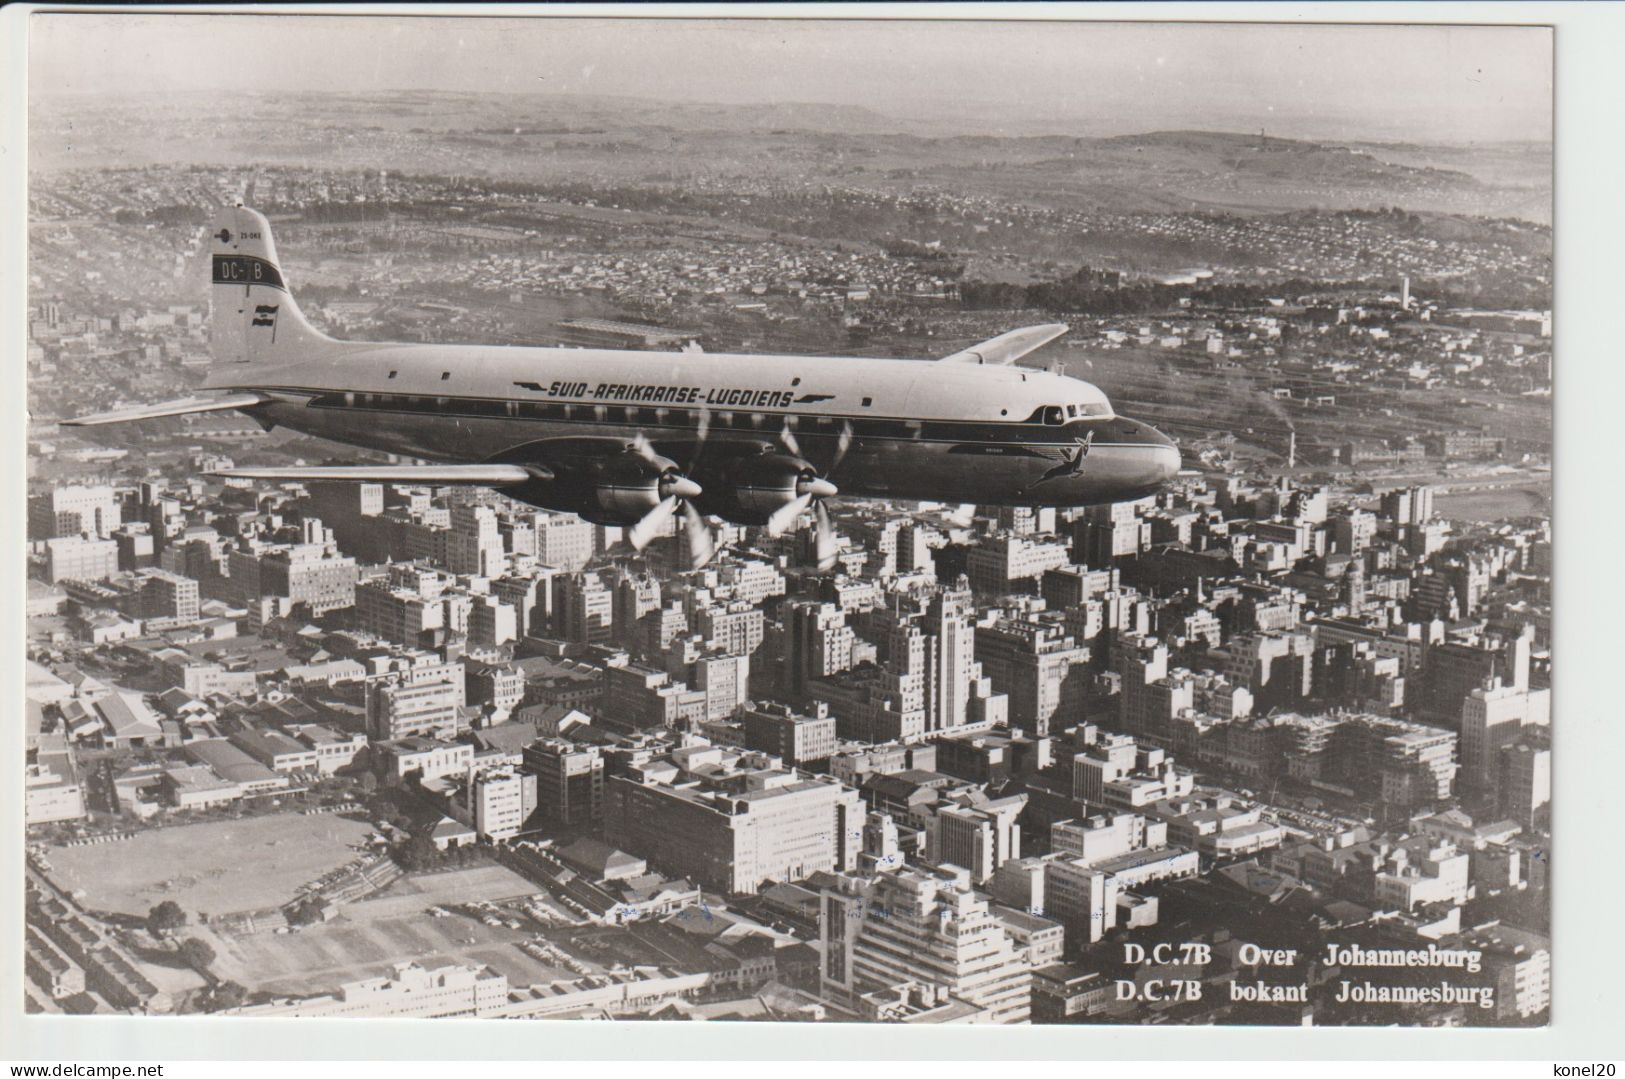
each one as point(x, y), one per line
point(253, 317)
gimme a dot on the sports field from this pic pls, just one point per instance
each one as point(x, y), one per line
point(216, 868)
point(368, 937)
point(1494, 503)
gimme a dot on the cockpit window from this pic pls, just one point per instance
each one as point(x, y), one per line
point(1055, 415)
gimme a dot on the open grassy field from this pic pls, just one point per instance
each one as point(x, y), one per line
point(1494, 503)
point(216, 868)
point(368, 937)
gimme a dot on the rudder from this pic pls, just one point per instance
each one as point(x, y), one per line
point(252, 315)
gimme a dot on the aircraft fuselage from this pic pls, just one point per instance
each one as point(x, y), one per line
point(994, 435)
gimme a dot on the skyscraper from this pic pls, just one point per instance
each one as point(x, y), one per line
point(818, 642)
point(949, 620)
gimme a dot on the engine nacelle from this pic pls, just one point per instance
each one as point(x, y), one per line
point(616, 489)
point(747, 490)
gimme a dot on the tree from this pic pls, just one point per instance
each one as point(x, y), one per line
point(198, 953)
point(227, 994)
point(165, 918)
point(417, 853)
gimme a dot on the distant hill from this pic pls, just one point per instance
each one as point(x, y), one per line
point(632, 140)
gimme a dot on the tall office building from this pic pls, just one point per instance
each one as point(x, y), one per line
point(399, 710)
point(563, 541)
point(977, 835)
point(1524, 781)
point(74, 511)
point(1038, 667)
point(398, 614)
point(1408, 506)
point(496, 802)
point(491, 622)
point(818, 643)
point(735, 836)
point(1004, 564)
point(798, 740)
point(168, 595)
point(474, 542)
point(1492, 717)
point(950, 620)
point(80, 558)
point(586, 609)
point(569, 782)
point(308, 573)
point(920, 927)
point(635, 595)
point(531, 597)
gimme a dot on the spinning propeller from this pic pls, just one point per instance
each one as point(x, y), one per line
point(676, 491)
point(811, 491)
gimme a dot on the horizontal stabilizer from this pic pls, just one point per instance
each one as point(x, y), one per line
point(1009, 347)
point(488, 475)
point(168, 408)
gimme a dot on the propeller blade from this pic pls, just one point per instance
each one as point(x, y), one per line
point(788, 437)
point(702, 430)
point(652, 524)
point(785, 516)
point(702, 545)
point(841, 446)
point(642, 447)
point(828, 542)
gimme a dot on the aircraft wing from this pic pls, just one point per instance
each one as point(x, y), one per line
point(183, 407)
point(1009, 347)
point(486, 475)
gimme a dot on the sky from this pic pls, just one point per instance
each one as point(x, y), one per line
point(1431, 83)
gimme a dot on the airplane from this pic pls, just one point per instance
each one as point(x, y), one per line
point(633, 438)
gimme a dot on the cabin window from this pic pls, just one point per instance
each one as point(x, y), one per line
point(444, 375)
point(392, 374)
point(867, 401)
point(795, 381)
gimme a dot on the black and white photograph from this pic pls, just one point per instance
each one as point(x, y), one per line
point(811, 520)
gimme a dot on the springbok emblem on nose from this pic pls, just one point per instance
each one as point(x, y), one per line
point(1071, 463)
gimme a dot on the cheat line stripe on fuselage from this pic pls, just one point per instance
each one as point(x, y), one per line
point(765, 425)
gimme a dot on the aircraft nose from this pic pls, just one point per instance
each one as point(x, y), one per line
point(1163, 453)
point(1168, 461)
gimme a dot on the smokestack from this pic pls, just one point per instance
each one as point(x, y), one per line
point(1292, 449)
point(1405, 294)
